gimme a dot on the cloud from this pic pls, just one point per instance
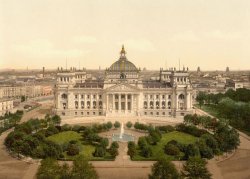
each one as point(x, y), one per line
point(43, 48)
point(217, 34)
point(84, 39)
point(189, 36)
point(140, 45)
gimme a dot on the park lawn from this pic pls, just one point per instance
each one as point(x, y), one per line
point(65, 137)
point(158, 150)
point(85, 149)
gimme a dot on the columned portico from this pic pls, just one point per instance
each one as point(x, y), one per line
point(122, 103)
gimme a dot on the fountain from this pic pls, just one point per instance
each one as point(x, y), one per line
point(122, 131)
point(122, 137)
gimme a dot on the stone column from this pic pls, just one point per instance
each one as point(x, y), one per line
point(160, 101)
point(176, 101)
point(132, 102)
point(91, 101)
point(148, 96)
point(107, 103)
point(126, 102)
point(85, 101)
point(119, 102)
point(154, 101)
point(113, 102)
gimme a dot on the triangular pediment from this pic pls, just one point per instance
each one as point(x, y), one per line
point(122, 87)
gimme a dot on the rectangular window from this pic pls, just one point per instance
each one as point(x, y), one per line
point(75, 113)
point(145, 113)
point(76, 96)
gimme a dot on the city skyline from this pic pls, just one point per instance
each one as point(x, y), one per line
point(212, 35)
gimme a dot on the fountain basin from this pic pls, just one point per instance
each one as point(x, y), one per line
point(123, 138)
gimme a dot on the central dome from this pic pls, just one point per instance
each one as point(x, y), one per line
point(123, 64)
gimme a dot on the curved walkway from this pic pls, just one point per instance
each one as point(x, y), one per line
point(237, 165)
point(12, 168)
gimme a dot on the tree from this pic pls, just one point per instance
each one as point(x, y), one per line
point(22, 98)
point(191, 150)
point(113, 151)
point(82, 169)
point(72, 149)
point(109, 125)
point(200, 98)
point(115, 144)
point(131, 149)
point(164, 169)
point(129, 124)
point(99, 152)
point(117, 124)
point(49, 169)
point(171, 149)
point(195, 167)
point(146, 151)
point(56, 120)
point(104, 142)
point(142, 142)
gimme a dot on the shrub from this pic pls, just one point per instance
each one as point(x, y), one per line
point(115, 144)
point(104, 142)
point(51, 131)
point(109, 125)
point(99, 152)
point(129, 124)
point(72, 150)
point(192, 130)
point(117, 124)
point(171, 149)
point(76, 128)
point(140, 126)
point(66, 127)
point(165, 129)
point(142, 142)
point(146, 151)
point(131, 149)
point(113, 151)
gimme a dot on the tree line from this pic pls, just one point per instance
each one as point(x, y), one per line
point(233, 106)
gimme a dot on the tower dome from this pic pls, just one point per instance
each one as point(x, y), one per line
point(122, 64)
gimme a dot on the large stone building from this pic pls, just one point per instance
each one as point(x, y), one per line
point(122, 92)
point(30, 91)
point(6, 105)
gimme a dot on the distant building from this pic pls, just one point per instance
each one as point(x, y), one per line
point(123, 92)
point(6, 105)
point(198, 69)
point(227, 69)
point(28, 90)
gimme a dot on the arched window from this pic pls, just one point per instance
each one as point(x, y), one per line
point(157, 104)
point(82, 104)
point(88, 104)
point(100, 104)
point(163, 104)
point(169, 104)
point(145, 105)
point(64, 96)
point(151, 104)
point(94, 104)
point(181, 96)
point(76, 104)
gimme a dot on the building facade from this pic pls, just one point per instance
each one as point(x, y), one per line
point(29, 91)
point(123, 92)
point(6, 105)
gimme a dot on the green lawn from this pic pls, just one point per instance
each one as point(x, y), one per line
point(65, 137)
point(158, 150)
point(85, 149)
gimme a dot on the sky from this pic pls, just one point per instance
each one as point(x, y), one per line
point(212, 34)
